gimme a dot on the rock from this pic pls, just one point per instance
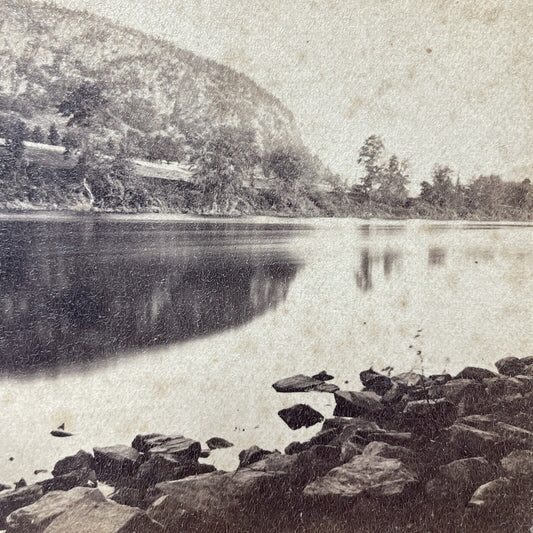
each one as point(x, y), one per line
point(13, 500)
point(204, 454)
point(132, 496)
point(217, 501)
point(349, 450)
point(143, 442)
point(114, 462)
point(365, 474)
point(510, 366)
point(468, 395)
point(410, 379)
point(515, 437)
point(295, 447)
point(81, 460)
point(78, 478)
point(60, 433)
point(252, 455)
point(164, 467)
point(394, 438)
point(382, 449)
point(394, 395)
point(322, 376)
point(526, 382)
point(20, 483)
point(375, 382)
point(301, 383)
point(457, 480)
point(467, 441)
point(322, 437)
point(429, 415)
point(483, 422)
point(503, 385)
point(40, 471)
point(35, 518)
point(492, 496)
point(300, 415)
point(216, 443)
point(439, 379)
point(178, 446)
point(473, 372)
point(3, 487)
point(362, 425)
point(354, 404)
point(104, 517)
point(519, 464)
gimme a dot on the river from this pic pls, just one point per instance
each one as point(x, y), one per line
point(118, 325)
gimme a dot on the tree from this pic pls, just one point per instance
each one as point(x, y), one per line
point(37, 135)
point(371, 156)
point(82, 103)
point(53, 135)
point(286, 165)
point(393, 181)
point(12, 157)
point(441, 192)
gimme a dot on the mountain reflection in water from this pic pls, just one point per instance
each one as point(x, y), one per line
point(76, 291)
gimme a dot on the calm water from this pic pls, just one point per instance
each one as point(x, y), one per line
point(121, 325)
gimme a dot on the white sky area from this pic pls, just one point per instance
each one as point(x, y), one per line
point(441, 81)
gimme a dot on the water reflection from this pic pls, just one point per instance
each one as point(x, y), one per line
point(368, 261)
point(436, 256)
point(77, 291)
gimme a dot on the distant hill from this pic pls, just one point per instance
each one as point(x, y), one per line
point(151, 87)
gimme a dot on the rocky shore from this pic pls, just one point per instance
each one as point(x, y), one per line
point(408, 453)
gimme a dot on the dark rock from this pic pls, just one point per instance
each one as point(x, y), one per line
point(362, 425)
point(519, 464)
point(375, 382)
point(20, 483)
point(456, 481)
point(468, 395)
point(3, 487)
point(78, 478)
point(301, 383)
point(503, 386)
point(429, 415)
point(204, 454)
point(115, 462)
point(216, 443)
point(132, 496)
point(252, 455)
point(35, 518)
point(40, 471)
point(473, 372)
point(176, 445)
point(81, 460)
point(106, 516)
point(369, 475)
point(492, 496)
point(483, 422)
point(295, 447)
point(60, 433)
point(410, 379)
point(467, 441)
point(354, 404)
point(300, 415)
point(382, 449)
point(526, 382)
point(510, 366)
point(15, 499)
point(142, 443)
point(322, 437)
point(394, 395)
point(439, 379)
point(322, 376)
point(515, 437)
point(394, 438)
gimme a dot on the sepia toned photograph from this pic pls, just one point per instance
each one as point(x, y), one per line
point(266, 266)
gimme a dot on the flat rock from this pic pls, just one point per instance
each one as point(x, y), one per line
point(382, 449)
point(355, 404)
point(300, 415)
point(467, 441)
point(427, 415)
point(301, 383)
point(519, 464)
point(81, 460)
point(364, 475)
point(216, 443)
point(322, 376)
point(15, 499)
point(492, 496)
point(483, 422)
point(35, 518)
point(114, 462)
point(180, 447)
point(60, 433)
point(103, 517)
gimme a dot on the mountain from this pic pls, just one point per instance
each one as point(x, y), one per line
point(151, 87)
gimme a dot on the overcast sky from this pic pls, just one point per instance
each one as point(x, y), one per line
point(442, 81)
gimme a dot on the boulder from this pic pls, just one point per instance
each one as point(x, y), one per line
point(483, 422)
point(394, 438)
point(300, 415)
point(82, 460)
point(355, 404)
point(382, 449)
point(301, 383)
point(252, 455)
point(473, 372)
point(132, 496)
point(216, 443)
point(439, 379)
point(410, 379)
point(104, 517)
point(181, 448)
point(467, 441)
point(394, 395)
point(114, 462)
point(77, 478)
point(468, 395)
point(492, 496)
point(510, 366)
point(456, 481)
point(515, 437)
point(429, 415)
point(362, 425)
point(322, 376)
point(15, 499)
point(375, 382)
point(35, 518)
point(519, 464)
point(364, 475)
point(503, 385)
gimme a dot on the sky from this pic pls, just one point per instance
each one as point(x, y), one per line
point(442, 81)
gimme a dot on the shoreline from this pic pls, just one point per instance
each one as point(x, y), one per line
point(423, 453)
